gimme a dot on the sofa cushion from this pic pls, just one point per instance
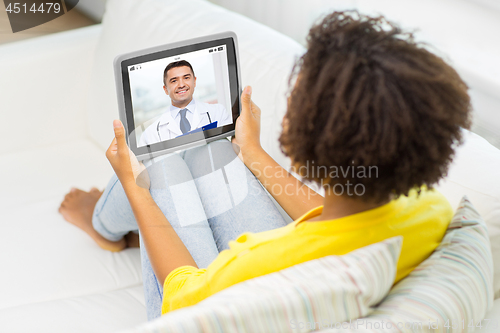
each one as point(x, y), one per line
point(301, 297)
point(107, 311)
point(266, 56)
point(475, 173)
point(54, 110)
point(451, 289)
point(54, 274)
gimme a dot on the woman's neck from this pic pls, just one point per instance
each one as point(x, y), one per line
point(337, 206)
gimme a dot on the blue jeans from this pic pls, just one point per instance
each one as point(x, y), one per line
point(208, 196)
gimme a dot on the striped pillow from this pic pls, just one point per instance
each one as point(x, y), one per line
point(300, 298)
point(451, 291)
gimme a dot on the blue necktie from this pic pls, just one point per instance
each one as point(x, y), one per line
point(185, 126)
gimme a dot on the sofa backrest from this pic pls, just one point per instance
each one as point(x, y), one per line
point(266, 56)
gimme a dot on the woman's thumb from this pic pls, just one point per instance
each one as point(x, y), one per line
point(246, 97)
point(119, 134)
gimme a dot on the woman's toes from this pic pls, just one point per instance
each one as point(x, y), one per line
point(95, 190)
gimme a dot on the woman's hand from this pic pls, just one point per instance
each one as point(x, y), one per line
point(247, 133)
point(128, 169)
point(165, 249)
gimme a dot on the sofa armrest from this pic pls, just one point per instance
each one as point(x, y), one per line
point(44, 87)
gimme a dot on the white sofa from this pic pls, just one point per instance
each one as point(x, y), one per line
point(57, 102)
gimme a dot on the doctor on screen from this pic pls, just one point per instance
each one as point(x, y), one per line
point(185, 114)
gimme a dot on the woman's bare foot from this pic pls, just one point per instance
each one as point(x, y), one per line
point(77, 208)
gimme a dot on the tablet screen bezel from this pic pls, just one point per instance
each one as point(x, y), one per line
point(122, 63)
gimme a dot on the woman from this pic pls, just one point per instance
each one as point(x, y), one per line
point(372, 118)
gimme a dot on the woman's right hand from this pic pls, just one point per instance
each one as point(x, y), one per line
point(126, 166)
point(247, 133)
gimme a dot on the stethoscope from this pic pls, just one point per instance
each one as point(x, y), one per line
point(158, 126)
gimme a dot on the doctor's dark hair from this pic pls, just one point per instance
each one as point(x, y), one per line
point(365, 95)
point(174, 64)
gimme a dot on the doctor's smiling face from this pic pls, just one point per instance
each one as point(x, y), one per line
point(179, 85)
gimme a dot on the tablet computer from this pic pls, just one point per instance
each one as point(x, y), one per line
point(179, 95)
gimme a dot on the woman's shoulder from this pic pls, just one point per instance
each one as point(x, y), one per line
point(426, 196)
point(429, 204)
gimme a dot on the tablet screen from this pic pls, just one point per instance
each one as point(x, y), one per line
point(179, 96)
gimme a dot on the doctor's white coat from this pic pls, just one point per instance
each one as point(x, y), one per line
point(166, 127)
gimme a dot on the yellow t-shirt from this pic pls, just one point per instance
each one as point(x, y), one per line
point(422, 221)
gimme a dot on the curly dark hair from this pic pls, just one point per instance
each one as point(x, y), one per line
point(180, 63)
point(367, 96)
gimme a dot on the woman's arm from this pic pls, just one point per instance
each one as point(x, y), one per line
point(165, 249)
point(293, 195)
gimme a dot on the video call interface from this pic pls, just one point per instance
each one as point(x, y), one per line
point(193, 96)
